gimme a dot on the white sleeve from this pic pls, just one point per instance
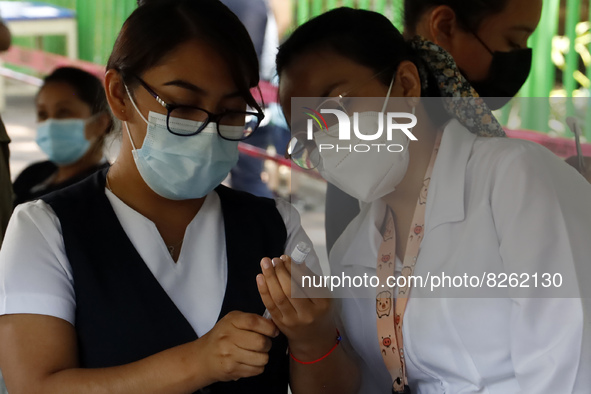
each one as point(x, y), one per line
point(296, 234)
point(542, 212)
point(35, 274)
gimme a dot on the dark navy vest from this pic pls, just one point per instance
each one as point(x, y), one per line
point(124, 315)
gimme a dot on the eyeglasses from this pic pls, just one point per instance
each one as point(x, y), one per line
point(304, 152)
point(250, 121)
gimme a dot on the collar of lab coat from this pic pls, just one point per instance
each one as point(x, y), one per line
point(445, 200)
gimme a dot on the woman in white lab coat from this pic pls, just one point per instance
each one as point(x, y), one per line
point(495, 209)
point(143, 278)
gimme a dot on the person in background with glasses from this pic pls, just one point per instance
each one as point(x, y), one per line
point(144, 278)
point(74, 121)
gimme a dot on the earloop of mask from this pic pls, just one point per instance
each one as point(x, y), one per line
point(138, 111)
point(413, 112)
point(134, 105)
point(388, 95)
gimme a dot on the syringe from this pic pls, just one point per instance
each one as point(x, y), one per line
point(298, 256)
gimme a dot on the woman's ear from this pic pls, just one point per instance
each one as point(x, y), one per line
point(117, 96)
point(442, 25)
point(408, 81)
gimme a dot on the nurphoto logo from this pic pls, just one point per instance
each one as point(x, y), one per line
point(366, 127)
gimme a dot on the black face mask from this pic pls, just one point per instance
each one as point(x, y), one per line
point(507, 74)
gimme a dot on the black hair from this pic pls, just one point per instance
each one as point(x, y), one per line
point(366, 37)
point(88, 87)
point(469, 13)
point(157, 27)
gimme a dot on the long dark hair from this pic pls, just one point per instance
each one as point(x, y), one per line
point(469, 13)
point(366, 37)
point(157, 27)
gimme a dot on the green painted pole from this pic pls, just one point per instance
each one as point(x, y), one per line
point(573, 17)
point(588, 112)
point(331, 5)
point(398, 19)
point(535, 113)
point(303, 11)
point(364, 4)
point(316, 7)
point(380, 6)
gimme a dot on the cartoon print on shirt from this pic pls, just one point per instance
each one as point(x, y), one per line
point(384, 304)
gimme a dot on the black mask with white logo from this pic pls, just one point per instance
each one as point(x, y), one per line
point(507, 74)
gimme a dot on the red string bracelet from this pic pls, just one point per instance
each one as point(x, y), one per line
point(339, 338)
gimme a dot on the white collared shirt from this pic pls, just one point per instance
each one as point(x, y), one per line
point(495, 205)
point(36, 276)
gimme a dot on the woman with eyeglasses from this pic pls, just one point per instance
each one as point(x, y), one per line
point(74, 121)
point(487, 216)
point(145, 278)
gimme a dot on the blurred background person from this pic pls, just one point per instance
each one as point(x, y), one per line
point(488, 39)
point(266, 22)
point(73, 122)
point(6, 195)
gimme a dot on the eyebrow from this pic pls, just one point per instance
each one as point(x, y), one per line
point(194, 88)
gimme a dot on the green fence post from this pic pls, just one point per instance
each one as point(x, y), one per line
point(86, 30)
point(303, 11)
point(331, 5)
point(398, 12)
point(573, 17)
point(588, 111)
point(364, 4)
point(535, 114)
point(380, 6)
point(316, 8)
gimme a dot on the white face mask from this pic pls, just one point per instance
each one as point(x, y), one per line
point(366, 176)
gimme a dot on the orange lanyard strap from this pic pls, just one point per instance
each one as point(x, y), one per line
point(390, 310)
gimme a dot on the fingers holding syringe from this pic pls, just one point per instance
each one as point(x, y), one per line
point(277, 284)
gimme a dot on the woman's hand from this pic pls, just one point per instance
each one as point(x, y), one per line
point(237, 346)
point(306, 322)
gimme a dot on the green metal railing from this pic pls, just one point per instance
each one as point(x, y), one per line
point(100, 21)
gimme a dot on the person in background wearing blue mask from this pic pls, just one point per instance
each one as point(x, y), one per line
point(143, 277)
point(74, 121)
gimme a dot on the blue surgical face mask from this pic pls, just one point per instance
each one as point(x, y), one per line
point(183, 168)
point(63, 140)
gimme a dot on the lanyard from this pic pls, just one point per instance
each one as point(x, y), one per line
point(390, 326)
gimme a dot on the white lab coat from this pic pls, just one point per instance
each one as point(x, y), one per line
point(495, 205)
